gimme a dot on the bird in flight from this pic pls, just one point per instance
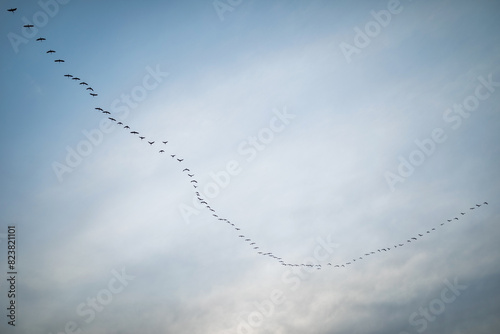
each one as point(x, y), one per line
point(151, 142)
point(164, 142)
point(142, 138)
point(162, 151)
point(28, 26)
point(180, 160)
point(100, 109)
point(90, 88)
point(41, 39)
point(190, 175)
point(75, 78)
point(59, 61)
point(114, 120)
point(485, 203)
point(68, 75)
point(106, 112)
point(12, 10)
point(84, 83)
point(126, 127)
point(186, 170)
point(134, 132)
point(93, 94)
point(51, 51)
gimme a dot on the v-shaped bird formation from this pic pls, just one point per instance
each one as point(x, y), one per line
point(163, 146)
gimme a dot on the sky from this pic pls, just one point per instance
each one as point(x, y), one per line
point(323, 130)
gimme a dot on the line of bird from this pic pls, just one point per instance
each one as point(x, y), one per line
point(194, 183)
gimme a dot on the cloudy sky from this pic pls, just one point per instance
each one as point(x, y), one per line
point(323, 130)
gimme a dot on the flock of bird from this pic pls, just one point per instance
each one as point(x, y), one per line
point(194, 183)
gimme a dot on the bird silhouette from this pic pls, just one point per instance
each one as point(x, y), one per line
point(164, 142)
point(126, 127)
point(151, 142)
point(107, 112)
point(75, 78)
point(12, 10)
point(186, 170)
point(162, 151)
point(180, 160)
point(134, 132)
point(100, 109)
point(190, 175)
point(41, 39)
point(68, 75)
point(142, 138)
point(84, 83)
point(28, 26)
point(485, 203)
point(114, 120)
point(59, 61)
point(51, 51)
point(93, 94)
point(90, 88)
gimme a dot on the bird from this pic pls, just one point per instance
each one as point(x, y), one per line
point(462, 213)
point(151, 142)
point(162, 151)
point(449, 220)
point(12, 10)
point(41, 39)
point(100, 109)
point(28, 26)
point(420, 235)
point(478, 205)
point(472, 208)
point(134, 132)
point(84, 83)
point(186, 170)
point(59, 61)
point(401, 245)
point(194, 181)
point(455, 218)
point(485, 203)
point(114, 120)
point(414, 238)
point(90, 88)
point(107, 112)
point(142, 138)
point(119, 123)
point(190, 175)
point(180, 160)
point(75, 78)
point(93, 94)
point(172, 155)
point(68, 75)
point(164, 142)
point(126, 127)
point(51, 51)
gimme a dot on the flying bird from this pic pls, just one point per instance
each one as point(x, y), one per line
point(84, 83)
point(107, 112)
point(414, 238)
point(462, 213)
point(51, 51)
point(180, 160)
point(190, 175)
point(68, 75)
point(164, 142)
point(100, 109)
point(194, 181)
point(134, 132)
point(28, 26)
point(41, 39)
point(119, 123)
point(455, 218)
point(142, 138)
point(485, 203)
point(114, 120)
point(12, 10)
point(151, 142)
point(126, 127)
point(59, 61)
point(478, 205)
point(162, 151)
point(75, 78)
point(93, 94)
point(90, 88)
point(186, 170)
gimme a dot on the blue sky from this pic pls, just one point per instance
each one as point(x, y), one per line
point(314, 154)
